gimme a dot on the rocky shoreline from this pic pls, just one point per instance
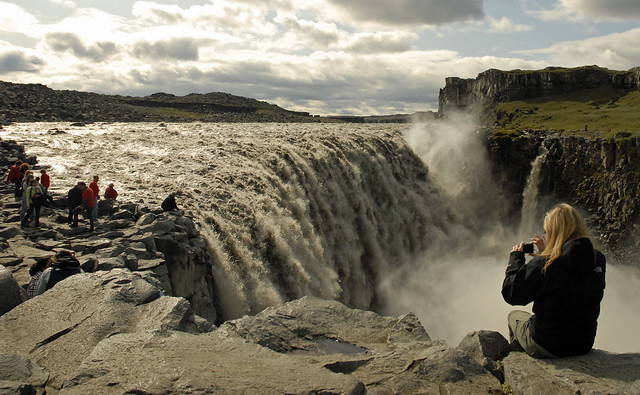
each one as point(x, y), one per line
point(141, 320)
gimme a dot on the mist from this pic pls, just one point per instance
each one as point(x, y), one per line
point(455, 289)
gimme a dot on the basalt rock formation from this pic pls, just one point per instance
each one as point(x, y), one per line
point(495, 86)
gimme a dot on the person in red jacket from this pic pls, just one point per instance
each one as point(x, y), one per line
point(89, 201)
point(15, 177)
point(45, 180)
point(96, 195)
point(110, 192)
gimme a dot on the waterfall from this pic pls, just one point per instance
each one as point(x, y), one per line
point(530, 215)
point(329, 216)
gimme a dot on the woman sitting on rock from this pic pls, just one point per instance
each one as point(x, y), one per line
point(565, 281)
point(36, 271)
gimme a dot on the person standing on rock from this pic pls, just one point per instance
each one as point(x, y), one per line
point(35, 199)
point(64, 265)
point(45, 180)
point(565, 281)
point(26, 182)
point(96, 195)
point(88, 201)
point(14, 178)
point(74, 199)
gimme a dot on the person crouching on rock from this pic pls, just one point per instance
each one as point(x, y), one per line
point(110, 192)
point(169, 203)
point(565, 281)
point(64, 265)
point(74, 200)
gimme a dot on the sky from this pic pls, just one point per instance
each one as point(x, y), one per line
point(327, 57)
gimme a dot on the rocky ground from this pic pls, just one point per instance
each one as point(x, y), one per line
point(140, 321)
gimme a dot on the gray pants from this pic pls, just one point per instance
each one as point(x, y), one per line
point(519, 331)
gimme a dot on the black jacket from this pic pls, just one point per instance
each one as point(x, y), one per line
point(169, 204)
point(566, 299)
point(75, 197)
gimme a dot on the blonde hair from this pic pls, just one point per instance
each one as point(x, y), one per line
point(562, 223)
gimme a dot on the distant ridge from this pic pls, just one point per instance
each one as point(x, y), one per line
point(39, 103)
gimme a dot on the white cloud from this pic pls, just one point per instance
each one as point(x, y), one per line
point(596, 10)
point(380, 42)
point(618, 51)
point(507, 25)
point(15, 19)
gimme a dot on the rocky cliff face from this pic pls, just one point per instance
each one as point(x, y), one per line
point(494, 86)
point(600, 176)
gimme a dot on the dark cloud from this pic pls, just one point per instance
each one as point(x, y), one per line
point(19, 61)
point(412, 12)
point(177, 48)
point(62, 42)
point(617, 9)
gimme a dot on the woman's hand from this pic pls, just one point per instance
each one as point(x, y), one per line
point(518, 247)
point(540, 242)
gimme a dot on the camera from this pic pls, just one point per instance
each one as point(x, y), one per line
point(527, 248)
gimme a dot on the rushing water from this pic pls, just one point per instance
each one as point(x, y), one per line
point(346, 212)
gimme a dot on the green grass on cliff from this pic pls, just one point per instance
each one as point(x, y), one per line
point(599, 109)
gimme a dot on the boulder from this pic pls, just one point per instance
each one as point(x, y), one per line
point(387, 354)
point(11, 294)
point(59, 328)
point(487, 348)
point(598, 372)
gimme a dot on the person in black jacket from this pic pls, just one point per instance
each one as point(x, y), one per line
point(565, 281)
point(169, 203)
point(64, 265)
point(74, 199)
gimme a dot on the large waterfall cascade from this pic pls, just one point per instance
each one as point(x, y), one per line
point(393, 218)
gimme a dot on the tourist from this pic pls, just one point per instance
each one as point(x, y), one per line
point(45, 180)
point(14, 178)
point(46, 198)
point(110, 192)
point(169, 203)
point(74, 200)
point(88, 202)
point(35, 271)
point(26, 182)
point(64, 265)
point(96, 195)
point(35, 199)
point(564, 280)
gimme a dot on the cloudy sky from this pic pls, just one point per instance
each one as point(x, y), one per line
point(322, 56)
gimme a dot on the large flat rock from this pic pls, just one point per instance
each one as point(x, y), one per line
point(180, 363)
point(598, 372)
point(58, 329)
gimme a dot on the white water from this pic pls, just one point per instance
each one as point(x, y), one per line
point(338, 211)
point(530, 219)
